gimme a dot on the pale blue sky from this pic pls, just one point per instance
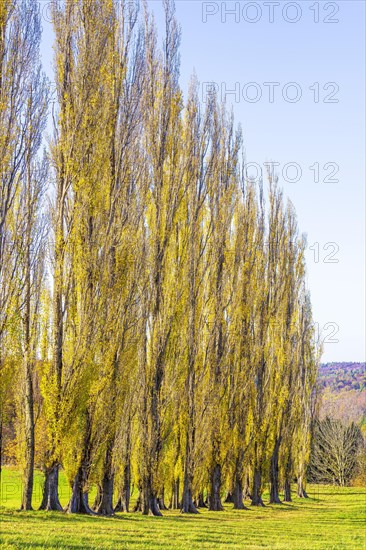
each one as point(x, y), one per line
point(235, 53)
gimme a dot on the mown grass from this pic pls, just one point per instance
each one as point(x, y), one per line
point(332, 518)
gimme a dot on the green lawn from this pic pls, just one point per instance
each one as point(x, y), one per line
point(332, 518)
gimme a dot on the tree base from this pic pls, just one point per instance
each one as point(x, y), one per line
point(200, 502)
point(50, 501)
point(287, 492)
point(190, 510)
point(78, 503)
point(188, 506)
point(257, 502)
point(105, 507)
point(275, 501)
point(240, 506)
point(161, 504)
point(123, 506)
point(150, 507)
point(215, 504)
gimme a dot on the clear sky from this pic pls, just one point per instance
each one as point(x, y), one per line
point(297, 77)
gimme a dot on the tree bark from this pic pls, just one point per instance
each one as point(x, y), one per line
point(175, 505)
point(188, 506)
point(287, 491)
point(246, 489)
point(274, 491)
point(238, 495)
point(257, 488)
point(200, 501)
point(150, 505)
point(50, 500)
point(301, 493)
point(98, 498)
point(215, 489)
point(78, 503)
point(138, 505)
point(161, 501)
point(105, 507)
point(287, 484)
point(123, 504)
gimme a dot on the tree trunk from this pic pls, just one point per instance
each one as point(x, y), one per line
point(246, 489)
point(119, 506)
point(301, 493)
point(238, 495)
point(287, 491)
point(29, 439)
point(138, 505)
point(105, 507)
point(50, 500)
point(150, 505)
point(200, 501)
point(161, 501)
point(123, 504)
point(215, 489)
point(273, 474)
point(78, 503)
point(174, 504)
point(257, 488)
point(287, 484)
point(188, 506)
point(229, 497)
point(98, 498)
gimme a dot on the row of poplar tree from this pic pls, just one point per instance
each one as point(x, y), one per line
point(155, 328)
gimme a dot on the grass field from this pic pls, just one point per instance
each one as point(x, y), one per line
point(332, 518)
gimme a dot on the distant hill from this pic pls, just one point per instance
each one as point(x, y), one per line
point(343, 376)
point(343, 389)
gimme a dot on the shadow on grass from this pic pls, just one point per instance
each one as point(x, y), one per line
point(202, 516)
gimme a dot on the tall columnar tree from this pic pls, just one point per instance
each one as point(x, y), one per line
point(23, 112)
point(225, 145)
point(241, 345)
point(31, 268)
point(195, 145)
point(162, 121)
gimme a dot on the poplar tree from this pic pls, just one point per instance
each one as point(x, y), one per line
point(23, 112)
point(162, 122)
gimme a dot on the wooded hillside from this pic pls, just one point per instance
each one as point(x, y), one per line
point(343, 391)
